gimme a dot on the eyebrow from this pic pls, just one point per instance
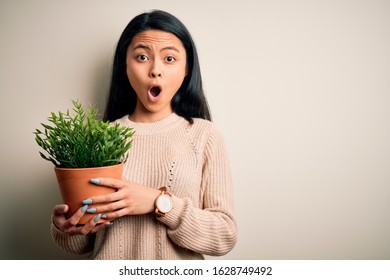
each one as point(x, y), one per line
point(141, 46)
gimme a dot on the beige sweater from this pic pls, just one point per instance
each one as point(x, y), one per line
point(192, 162)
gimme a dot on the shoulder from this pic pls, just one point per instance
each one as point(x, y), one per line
point(207, 125)
point(201, 123)
point(206, 130)
point(201, 126)
point(122, 121)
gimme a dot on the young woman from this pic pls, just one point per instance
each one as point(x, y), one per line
point(175, 198)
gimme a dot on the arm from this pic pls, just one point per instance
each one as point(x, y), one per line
point(212, 229)
point(209, 228)
point(70, 237)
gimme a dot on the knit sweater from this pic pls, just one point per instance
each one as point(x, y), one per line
point(191, 161)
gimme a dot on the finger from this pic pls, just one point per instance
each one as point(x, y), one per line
point(73, 221)
point(116, 214)
point(101, 226)
point(59, 215)
point(60, 209)
point(111, 197)
point(111, 207)
point(90, 225)
point(109, 182)
point(85, 229)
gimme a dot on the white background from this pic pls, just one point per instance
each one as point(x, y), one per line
point(300, 90)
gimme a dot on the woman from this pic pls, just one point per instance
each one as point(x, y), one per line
point(175, 198)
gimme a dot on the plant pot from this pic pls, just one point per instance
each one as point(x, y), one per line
point(75, 186)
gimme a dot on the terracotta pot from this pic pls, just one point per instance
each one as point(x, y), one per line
point(75, 186)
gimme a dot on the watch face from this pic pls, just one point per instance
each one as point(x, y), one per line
point(164, 203)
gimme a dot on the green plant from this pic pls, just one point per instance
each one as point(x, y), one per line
point(79, 140)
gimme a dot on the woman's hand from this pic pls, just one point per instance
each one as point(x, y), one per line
point(129, 199)
point(69, 226)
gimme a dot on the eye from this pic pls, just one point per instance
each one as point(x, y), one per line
point(170, 58)
point(142, 57)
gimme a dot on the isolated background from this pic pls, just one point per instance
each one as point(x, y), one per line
point(300, 90)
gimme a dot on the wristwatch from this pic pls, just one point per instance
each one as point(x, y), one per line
point(163, 203)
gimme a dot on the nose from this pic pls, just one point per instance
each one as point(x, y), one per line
point(155, 74)
point(155, 71)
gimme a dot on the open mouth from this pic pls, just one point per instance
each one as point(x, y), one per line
point(155, 91)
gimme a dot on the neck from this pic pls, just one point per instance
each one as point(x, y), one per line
point(151, 128)
point(149, 117)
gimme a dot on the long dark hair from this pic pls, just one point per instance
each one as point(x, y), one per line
point(189, 101)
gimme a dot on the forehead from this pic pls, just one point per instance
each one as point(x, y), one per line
point(156, 38)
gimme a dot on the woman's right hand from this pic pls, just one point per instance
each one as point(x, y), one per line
point(70, 226)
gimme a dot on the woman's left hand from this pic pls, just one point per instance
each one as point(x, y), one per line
point(129, 199)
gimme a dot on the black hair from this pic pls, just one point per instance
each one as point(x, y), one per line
point(189, 101)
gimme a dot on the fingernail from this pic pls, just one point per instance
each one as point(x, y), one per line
point(108, 225)
point(104, 216)
point(84, 208)
point(91, 210)
point(97, 218)
point(87, 201)
point(95, 181)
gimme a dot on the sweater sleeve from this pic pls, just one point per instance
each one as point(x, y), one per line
point(212, 229)
point(75, 244)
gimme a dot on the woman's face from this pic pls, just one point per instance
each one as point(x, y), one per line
point(156, 68)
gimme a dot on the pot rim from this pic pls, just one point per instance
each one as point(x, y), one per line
point(88, 168)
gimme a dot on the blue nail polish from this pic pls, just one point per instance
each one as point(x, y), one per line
point(91, 210)
point(108, 225)
point(95, 181)
point(84, 208)
point(104, 216)
point(97, 218)
point(87, 201)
